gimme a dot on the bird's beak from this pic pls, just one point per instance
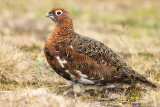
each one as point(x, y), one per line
point(48, 15)
point(51, 16)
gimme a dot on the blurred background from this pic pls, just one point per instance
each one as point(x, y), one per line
point(130, 27)
point(104, 19)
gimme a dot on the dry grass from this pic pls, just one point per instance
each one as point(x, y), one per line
point(131, 28)
point(38, 98)
point(15, 65)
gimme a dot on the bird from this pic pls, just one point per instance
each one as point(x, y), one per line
point(83, 60)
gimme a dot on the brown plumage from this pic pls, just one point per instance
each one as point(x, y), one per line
point(83, 60)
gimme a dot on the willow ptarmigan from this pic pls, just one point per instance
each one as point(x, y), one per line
point(83, 60)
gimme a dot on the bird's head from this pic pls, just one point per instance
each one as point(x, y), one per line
point(60, 16)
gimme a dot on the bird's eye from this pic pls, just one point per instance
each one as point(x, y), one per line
point(58, 13)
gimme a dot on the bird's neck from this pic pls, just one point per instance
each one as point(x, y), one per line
point(63, 28)
point(61, 31)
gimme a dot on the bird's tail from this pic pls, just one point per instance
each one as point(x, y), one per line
point(144, 80)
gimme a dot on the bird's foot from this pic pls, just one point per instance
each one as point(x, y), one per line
point(63, 88)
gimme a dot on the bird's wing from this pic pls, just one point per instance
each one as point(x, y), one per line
point(94, 59)
point(103, 55)
point(98, 51)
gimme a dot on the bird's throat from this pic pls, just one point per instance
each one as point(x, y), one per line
point(63, 29)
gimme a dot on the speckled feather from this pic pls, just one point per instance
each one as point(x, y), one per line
point(83, 60)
